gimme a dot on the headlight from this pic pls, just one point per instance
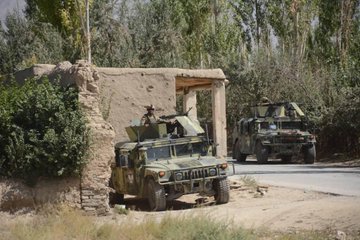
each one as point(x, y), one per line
point(178, 176)
point(161, 174)
point(224, 166)
point(212, 172)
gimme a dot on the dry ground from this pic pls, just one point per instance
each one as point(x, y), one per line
point(252, 206)
point(268, 207)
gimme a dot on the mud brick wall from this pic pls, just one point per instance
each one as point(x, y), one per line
point(95, 178)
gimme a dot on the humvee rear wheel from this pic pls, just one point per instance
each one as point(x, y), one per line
point(309, 154)
point(222, 190)
point(240, 157)
point(156, 196)
point(262, 153)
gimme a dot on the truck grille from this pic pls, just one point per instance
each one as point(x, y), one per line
point(195, 174)
point(289, 139)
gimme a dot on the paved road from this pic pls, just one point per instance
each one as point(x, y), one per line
point(318, 177)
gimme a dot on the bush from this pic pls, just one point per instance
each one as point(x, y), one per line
point(42, 131)
point(340, 132)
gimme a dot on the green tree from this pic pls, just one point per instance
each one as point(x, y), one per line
point(43, 132)
point(25, 43)
point(68, 17)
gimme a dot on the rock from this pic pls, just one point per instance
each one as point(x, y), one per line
point(261, 190)
point(340, 235)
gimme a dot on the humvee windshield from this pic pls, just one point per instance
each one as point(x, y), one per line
point(158, 153)
point(186, 149)
point(281, 125)
point(291, 125)
point(190, 149)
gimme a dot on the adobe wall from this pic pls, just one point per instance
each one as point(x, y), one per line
point(15, 195)
point(122, 95)
point(110, 99)
point(125, 93)
point(91, 191)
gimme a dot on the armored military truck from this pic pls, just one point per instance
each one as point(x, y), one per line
point(164, 161)
point(277, 130)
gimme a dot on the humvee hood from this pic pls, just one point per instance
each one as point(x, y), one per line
point(185, 163)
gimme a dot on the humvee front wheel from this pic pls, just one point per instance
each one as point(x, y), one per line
point(262, 153)
point(309, 154)
point(156, 196)
point(116, 198)
point(222, 190)
point(242, 157)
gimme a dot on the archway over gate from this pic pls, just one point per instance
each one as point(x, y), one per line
point(210, 80)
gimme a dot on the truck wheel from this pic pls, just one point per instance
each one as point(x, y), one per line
point(156, 196)
point(240, 157)
point(222, 190)
point(309, 154)
point(116, 198)
point(262, 153)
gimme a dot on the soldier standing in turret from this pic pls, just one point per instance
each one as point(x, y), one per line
point(149, 117)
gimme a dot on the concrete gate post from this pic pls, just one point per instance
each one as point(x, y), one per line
point(219, 118)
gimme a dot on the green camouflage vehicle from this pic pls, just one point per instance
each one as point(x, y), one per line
point(164, 161)
point(277, 130)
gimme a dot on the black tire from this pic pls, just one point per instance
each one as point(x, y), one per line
point(240, 157)
point(309, 154)
point(156, 196)
point(222, 190)
point(286, 159)
point(262, 153)
point(116, 198)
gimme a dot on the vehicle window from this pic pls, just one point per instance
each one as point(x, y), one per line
point(291, 125)
point(190, 148)
point(158, 153)
point(264, 125)
point(245, 128)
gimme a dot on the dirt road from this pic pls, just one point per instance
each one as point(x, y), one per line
point(268, 207)
point(330, 178)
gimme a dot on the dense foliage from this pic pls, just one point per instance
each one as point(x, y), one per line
point(42, 131)
point(295, 50)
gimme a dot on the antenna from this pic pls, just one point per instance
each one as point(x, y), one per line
point(207, 134)
point(138, 136)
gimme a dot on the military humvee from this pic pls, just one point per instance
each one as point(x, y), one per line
point(276, 130)
point(164, 161)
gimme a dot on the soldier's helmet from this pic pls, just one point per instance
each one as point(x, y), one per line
point(150, 107)
point(265, 100)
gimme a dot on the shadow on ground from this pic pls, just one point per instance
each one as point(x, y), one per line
point(141, 204)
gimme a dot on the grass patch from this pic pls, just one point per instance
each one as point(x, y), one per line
point(65, 223)
point(249, 181)
point(199, 227)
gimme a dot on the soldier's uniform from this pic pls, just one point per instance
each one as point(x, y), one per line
point(149, 117)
